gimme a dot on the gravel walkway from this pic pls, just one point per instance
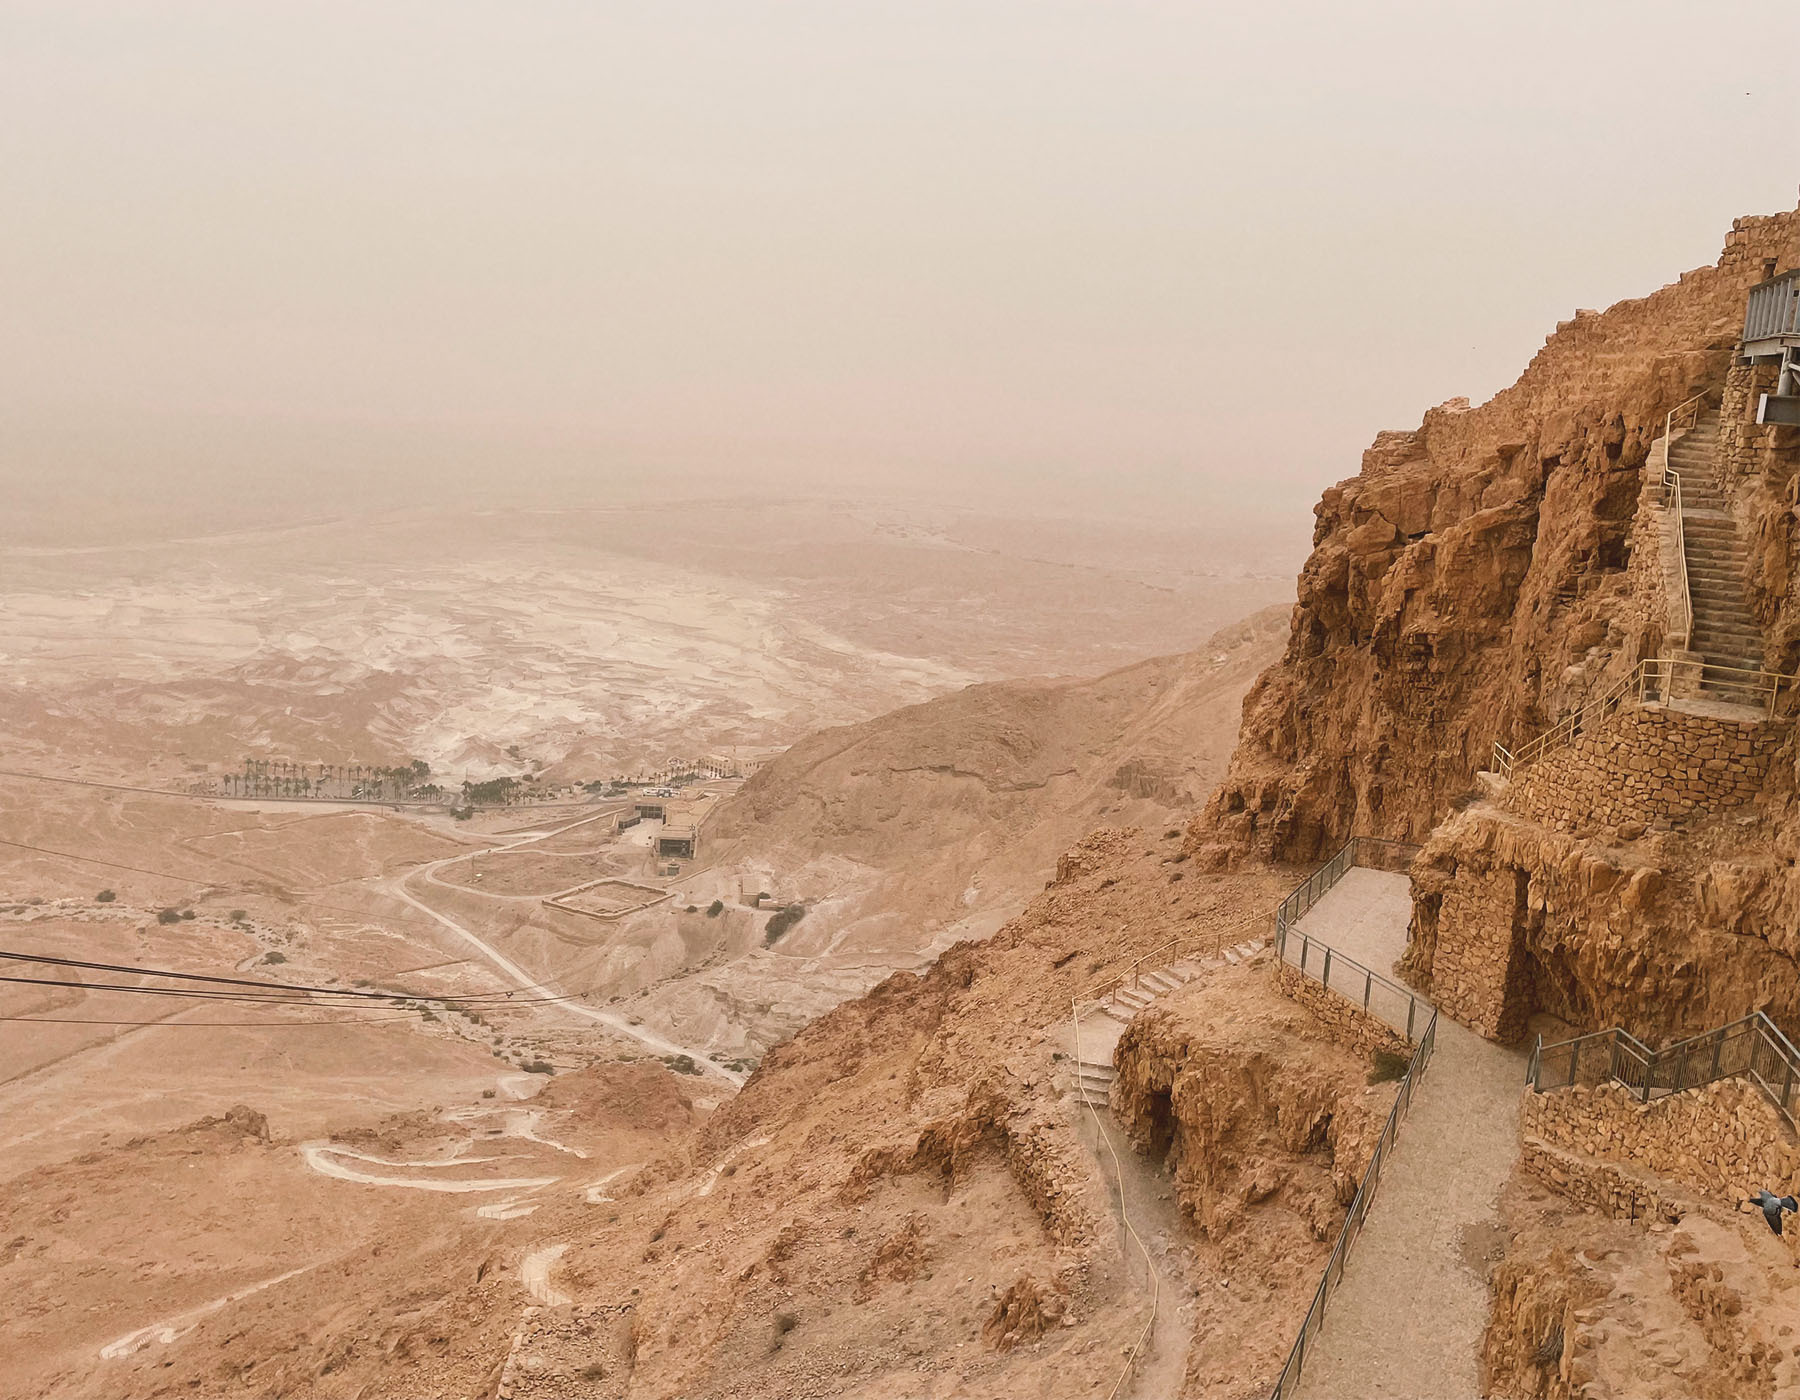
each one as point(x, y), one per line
point(1408, 1321)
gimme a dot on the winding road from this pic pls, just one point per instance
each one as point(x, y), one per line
point(525, 981)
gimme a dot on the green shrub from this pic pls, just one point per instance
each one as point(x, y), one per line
point(781, 921)
point(1388, 1066)
point(682, 1064)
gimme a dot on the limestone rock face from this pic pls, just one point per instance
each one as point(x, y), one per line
point(1459, 582)
point(1264, 1111)
point(1667, 936)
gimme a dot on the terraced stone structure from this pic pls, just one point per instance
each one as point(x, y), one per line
point(1644, 763)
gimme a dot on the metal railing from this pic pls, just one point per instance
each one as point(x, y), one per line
point(1753, 1048)
point(1358, 850)
point(1386, 1000)
point(1186, 945)
point(1289, 1380)
point(1773, 308)
point(1684, 417)
point(1654, 680)
point(1681, 625)
point(1134, 1355)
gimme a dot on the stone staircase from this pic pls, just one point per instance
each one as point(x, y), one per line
point(1094, 1077)
point(1725, 631)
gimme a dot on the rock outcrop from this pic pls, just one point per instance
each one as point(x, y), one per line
point(1474, 576)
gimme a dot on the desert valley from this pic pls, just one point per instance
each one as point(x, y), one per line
point(716, 702)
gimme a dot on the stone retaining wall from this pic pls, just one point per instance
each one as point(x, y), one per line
point(1345, 1021)
point(1744, 444)
point(1644, 762)
point(1603, 1186)
point(1724, 1140)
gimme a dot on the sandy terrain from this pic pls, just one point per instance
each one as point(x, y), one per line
point(588, 641)
point(391, 1153)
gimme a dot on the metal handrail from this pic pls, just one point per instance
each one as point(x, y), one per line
point(1332, 960)
point(1689, 414)
point(1651, 679)
point(1289, 1379)
point(1135, 1354)
point(1753, 1048)
point(1681, 627)
point(1310, 890)
point(1168, 951)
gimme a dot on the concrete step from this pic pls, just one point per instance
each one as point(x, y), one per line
point(1133, 997)
point(1718, 622)
point(1159, 983)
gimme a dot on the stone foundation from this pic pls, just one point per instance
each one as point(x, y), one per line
point(1724, 1140)
point(1478, 976)
point(1344, 1021)
point(1645, 762)
point(1605, 1187)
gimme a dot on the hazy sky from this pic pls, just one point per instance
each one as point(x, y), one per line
point(1153, 256)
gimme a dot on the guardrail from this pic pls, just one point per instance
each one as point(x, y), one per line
point(1654, 680)
point(1681, 626)
point(1358, 850)
point(1135, 1353)
point(1772, 309)
point(1753, 1048)
point(1289, 1380)
point(1387, 1001)
point(1171, 950)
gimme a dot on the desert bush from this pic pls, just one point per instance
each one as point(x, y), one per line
point(716, 908)
point(1388, 1066)
point(187, 913)
point(538, 1067)
point(239, 915)
point(274, 957)
point(168, 916)
point(682, 1064)
point(781, 921)
point(106, 897)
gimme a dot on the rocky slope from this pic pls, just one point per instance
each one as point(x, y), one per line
point(912, 830)
point(1459, 583)
point(901, 1202)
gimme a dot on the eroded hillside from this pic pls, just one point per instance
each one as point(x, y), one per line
point(1460, 584)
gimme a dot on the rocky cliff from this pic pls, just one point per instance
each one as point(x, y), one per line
point(1473, 576)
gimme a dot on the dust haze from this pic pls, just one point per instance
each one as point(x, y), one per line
point(607, 611)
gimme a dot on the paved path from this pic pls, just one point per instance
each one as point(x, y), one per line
point(1364, 915)
point(1408, 1320)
